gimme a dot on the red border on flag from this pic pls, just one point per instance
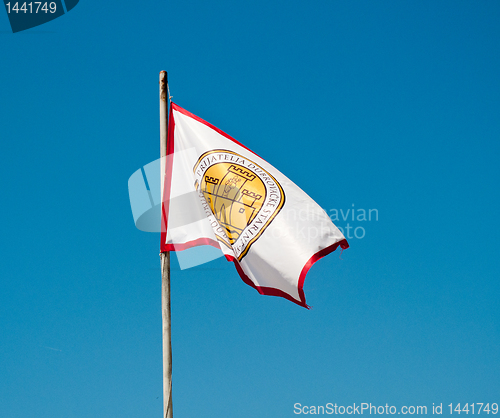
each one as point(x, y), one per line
point(269, 291)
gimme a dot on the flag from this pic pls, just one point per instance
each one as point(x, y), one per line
point(218, 192)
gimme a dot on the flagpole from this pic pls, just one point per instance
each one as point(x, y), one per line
point(165, 265)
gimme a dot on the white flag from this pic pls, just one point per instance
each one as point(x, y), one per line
point(217, 192)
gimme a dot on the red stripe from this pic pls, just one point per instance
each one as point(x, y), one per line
point(165, 205)
point(271, 291)
point(191, 244)
point(204, 122)
point(268, 291)
point(320, 254)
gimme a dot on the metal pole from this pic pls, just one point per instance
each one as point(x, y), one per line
point(165, 265)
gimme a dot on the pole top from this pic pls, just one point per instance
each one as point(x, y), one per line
point(163, 85)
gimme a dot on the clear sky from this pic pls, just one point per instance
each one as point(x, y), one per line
point(385, 105)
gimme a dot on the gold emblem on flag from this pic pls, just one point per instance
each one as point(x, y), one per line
point(243, 197)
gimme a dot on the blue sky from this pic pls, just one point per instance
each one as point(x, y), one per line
point(386, 105)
